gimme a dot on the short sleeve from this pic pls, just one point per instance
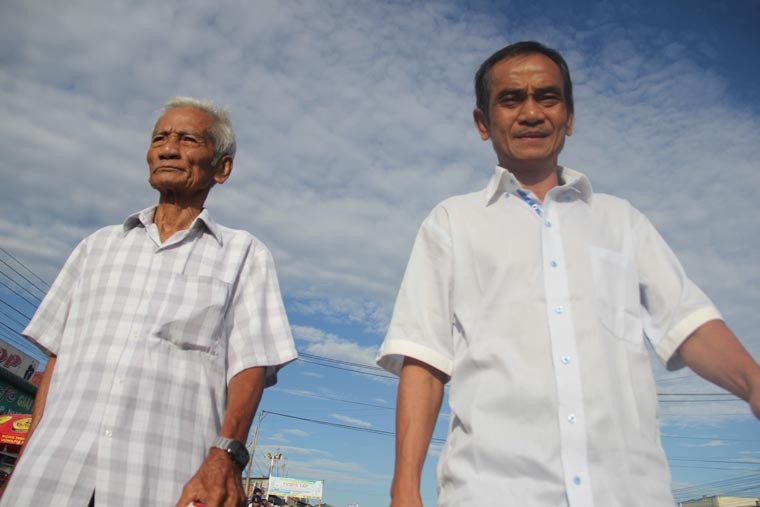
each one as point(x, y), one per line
point(259, 333)
point(421, 326)
point(49, 321)
point(673, 306)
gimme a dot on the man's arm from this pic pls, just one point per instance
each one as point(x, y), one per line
point(37, 410)
point(218, 481)
point(420, 392)
point(715, 353)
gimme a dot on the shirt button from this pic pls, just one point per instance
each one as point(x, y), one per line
point(559, 309)
point(565, 359)
point(571, 418)
point(553, 264)
point(108, 433)
point(119, 380)
point(577, 480)
point(548, 224)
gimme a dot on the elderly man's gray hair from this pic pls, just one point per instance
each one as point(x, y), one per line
point(221, 131)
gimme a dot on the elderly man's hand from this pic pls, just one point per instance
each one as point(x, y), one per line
point(217, 483)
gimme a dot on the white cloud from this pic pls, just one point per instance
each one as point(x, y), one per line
point(352, 420)
point(711, 443)
point(353, 120)
point(322, 343)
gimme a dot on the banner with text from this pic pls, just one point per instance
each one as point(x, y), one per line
point(16, 361)
point(301, 488)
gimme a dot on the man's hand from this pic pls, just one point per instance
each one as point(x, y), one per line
point(217, 483)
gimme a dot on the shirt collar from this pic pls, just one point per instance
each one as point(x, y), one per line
point(145, 217)
point(504, 181)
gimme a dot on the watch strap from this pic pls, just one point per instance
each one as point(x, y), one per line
point(235, 450)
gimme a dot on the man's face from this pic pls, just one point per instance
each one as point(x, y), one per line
point(181, 153)
point(527, 117)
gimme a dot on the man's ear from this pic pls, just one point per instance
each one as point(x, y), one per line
point(481, 123)
point(569, 130)
point(223, 169)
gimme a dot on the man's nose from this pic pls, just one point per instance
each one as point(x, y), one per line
point(530, 112)
point(170, 148)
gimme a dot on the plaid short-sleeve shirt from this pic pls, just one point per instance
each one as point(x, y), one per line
point(147, 335)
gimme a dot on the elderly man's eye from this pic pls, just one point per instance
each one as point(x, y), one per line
point(190, 140)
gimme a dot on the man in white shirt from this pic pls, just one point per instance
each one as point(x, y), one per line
point(533, 297)
point(161, 331)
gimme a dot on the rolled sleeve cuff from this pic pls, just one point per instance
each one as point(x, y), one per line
point(392, 354)
point(48, 344)
point(667, 349)
point(272, 366)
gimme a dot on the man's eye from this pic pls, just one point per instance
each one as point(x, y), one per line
point(510, 101)
point(190, 140)
point(158, 139)
point(549, 100)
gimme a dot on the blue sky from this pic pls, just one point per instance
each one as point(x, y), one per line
point(353, 120)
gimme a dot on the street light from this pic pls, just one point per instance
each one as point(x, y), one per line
point(272, 457)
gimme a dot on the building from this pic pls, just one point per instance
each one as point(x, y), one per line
point(721, 501)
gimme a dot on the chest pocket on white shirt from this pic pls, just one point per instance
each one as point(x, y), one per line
point(190, 312)
point(616, 294)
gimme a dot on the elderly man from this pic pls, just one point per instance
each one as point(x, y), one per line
point(160, 331)
point(533, 297)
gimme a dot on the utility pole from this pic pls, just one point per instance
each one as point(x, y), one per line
point(252, 453)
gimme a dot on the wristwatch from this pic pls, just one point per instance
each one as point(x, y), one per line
point(235, 450)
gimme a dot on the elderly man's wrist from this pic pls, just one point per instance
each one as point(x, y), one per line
point(234, 449)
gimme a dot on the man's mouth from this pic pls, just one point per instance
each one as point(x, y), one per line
point(532, 135)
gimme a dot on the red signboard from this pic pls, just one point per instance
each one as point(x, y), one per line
point(13, 428)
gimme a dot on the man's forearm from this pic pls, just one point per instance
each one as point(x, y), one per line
point(715, 353)
point(420, 393)
point(243, 396)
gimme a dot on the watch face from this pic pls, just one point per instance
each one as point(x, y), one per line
point(239, 453)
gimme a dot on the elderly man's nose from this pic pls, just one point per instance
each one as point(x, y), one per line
point(170, 148)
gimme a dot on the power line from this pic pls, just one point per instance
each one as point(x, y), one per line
point(349, 369)
point(43, 282)
point(340, 361)
point(33, 303)
point(27, 317)
point(345, 426)
point(10, 317)
point(330, 398)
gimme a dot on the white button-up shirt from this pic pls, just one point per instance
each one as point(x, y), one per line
point(147, 336)
point(538, 315)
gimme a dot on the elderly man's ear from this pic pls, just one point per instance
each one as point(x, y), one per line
point(223, 169)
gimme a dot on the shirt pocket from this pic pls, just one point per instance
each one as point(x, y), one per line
point(191, 312)
point(616, 295)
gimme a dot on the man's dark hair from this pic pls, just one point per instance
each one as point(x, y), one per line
point(482, 85)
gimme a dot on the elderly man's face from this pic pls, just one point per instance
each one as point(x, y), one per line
point(181, 153)
point(527, 117)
